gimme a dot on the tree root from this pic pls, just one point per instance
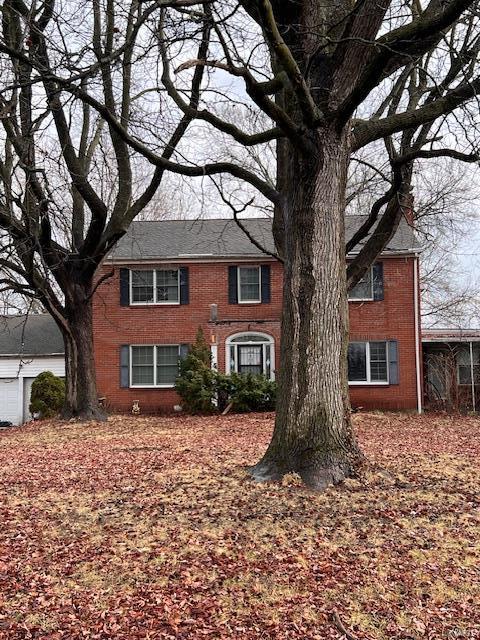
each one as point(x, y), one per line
point(341, 627)
point(89, 415)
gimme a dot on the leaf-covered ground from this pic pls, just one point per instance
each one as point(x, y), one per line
point(149, 528)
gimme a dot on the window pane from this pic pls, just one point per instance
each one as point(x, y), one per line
point(268, 362)
point(142, 365)
point(363, 289)
point(142, 356)
point(167, 285)
point(249, 338)
point(357, 361)
point(476, 354)
point(142, 286)
point(142, 375)
point(463, 357)
point(464, 374)
point(378, 361)
point(249, 283)
point(167, 364)
point(250, 355)
point(465, 367)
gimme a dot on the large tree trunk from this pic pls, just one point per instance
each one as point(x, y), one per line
point(313, 435)
point(81, 398)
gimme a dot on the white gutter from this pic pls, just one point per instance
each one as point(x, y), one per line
point(472, 378)
point(31, 355)
point(189, 259)
point(417, 334)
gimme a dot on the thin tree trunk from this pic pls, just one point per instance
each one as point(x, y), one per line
point(81, 397)
point(313, 435)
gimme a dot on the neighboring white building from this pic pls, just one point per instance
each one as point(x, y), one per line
point(28, 345)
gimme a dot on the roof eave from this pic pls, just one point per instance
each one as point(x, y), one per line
point(186, 258)
point(32, 355)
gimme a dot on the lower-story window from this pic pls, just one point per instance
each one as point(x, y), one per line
point(154, 365)
point(250, 352)
point(368, 362)
point(468, 363)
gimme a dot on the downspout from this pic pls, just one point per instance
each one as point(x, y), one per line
point(417, 333)
point(471, 377)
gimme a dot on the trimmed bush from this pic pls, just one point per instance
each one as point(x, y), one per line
point(196, 383)
point(48, 395)
point(252, 392)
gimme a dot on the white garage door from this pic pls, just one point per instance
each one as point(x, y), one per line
point(27, 390)
point(9, 400)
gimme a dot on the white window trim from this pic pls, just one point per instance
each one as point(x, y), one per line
point(239, 288)
point(369, 382)
point(371, 299)
point(267, 340)
point(150, 386)
point(155, 302)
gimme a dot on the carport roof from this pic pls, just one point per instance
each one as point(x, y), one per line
point(451, 335)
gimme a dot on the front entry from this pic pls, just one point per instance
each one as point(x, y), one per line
point(250, 352)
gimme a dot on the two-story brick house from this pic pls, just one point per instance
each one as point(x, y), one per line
point(170, 277)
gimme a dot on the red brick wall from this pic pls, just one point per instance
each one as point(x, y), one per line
point(389, 319)
point(208, 283)
point(115, 325)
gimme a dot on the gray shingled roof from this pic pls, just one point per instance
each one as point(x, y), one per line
point(217, 238)
point(33, 335)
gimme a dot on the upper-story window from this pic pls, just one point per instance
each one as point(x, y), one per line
point(363, 290)
point(370, 287)
point(249, 284)
point(155, 286)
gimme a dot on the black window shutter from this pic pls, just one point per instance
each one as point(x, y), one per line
point(124, 366)
point(232, 285)
point(184, 292)
point(124, 287)
point(265, 282)
point(393, 375)
point(377, 271)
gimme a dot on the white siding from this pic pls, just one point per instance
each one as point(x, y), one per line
point(9, 400)
point(24, 371)
point(13, 367)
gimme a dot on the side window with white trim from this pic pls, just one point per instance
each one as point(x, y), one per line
point(154, 365)
point(368, 362)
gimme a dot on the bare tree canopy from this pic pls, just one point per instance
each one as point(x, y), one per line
point(69, 183)
point(321, 81)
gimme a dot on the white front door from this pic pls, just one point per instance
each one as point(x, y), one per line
point(9, 400)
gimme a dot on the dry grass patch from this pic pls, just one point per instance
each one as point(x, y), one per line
point(150, 528)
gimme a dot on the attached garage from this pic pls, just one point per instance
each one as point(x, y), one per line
point(9, 400)
point(28, 345)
